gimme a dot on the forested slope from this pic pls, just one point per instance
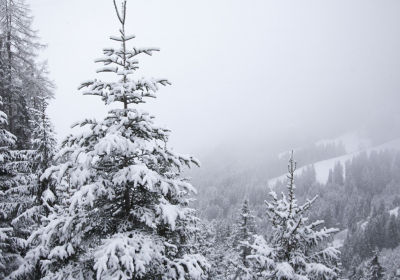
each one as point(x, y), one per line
point(359, 191)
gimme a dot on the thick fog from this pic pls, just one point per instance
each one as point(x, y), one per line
point(244, 73)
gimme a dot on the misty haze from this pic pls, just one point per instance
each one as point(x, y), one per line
point(199, 139)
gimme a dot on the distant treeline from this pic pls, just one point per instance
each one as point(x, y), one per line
point(305, 156)
point(223, 186)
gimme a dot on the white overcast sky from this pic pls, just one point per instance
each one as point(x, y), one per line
point(240, 70)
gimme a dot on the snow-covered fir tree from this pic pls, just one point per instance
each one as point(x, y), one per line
point(370, 269)
point(374, 270)
point(40, 193)
point(125, 214)
point(296, 250)
point(45, 148)
point(22, 81)
point(8, 255)
point(212, 243)
point(223, 251)
point(245, 230)
point(27, 200)
point(22, 77)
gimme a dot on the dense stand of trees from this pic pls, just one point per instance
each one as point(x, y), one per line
point(23, 79)
point(26, 136)
point(360, 198)
point(228, 180)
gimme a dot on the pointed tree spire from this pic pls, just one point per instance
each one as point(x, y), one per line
point(294, 250)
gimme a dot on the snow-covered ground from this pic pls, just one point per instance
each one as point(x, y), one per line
point(363, 224)
point(340, 237)
point(354, 145)
point(394, 211)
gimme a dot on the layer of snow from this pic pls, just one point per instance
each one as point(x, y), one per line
point(363, 225)
point(322, 167)
point(394, 211)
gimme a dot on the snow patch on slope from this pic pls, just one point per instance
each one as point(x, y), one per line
point(340, 237)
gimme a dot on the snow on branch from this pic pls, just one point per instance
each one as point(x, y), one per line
point(127, 255)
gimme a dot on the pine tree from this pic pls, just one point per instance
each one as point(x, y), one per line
point(392, 233)
point(22, 81)
point(22, 78)
point(364, 242)
point(42, 191)
point(330, 177)
point(6, 157)
point(125, 214)
point(338, 174)
point(29, 200)
point(367, 183)
point(205, 240)
point(245, 229)
point(296, 250)
point(373, 269)
point(7, 174)
point(355, 262)
point(215, 243)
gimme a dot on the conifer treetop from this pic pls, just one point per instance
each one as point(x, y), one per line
point(123, 62)
point(295, 249)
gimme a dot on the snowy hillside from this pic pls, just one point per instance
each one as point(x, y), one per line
point(354, 145)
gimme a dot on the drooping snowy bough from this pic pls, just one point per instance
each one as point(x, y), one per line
point(125, 212)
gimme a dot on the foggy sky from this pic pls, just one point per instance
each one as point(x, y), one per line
point(243, 73)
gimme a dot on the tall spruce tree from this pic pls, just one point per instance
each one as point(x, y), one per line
point(7, 180)
point(392, 233)
point(41, 192)
point(214, 243)
point(337, 175)
point(29, 199)
point(45, 148)
point(125, 215)
point(374, 270)
point(22, 81)
point(22, 78)
point(296, 250)
point(245, 230)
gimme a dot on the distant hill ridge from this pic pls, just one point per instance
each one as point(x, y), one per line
point(354, 144)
